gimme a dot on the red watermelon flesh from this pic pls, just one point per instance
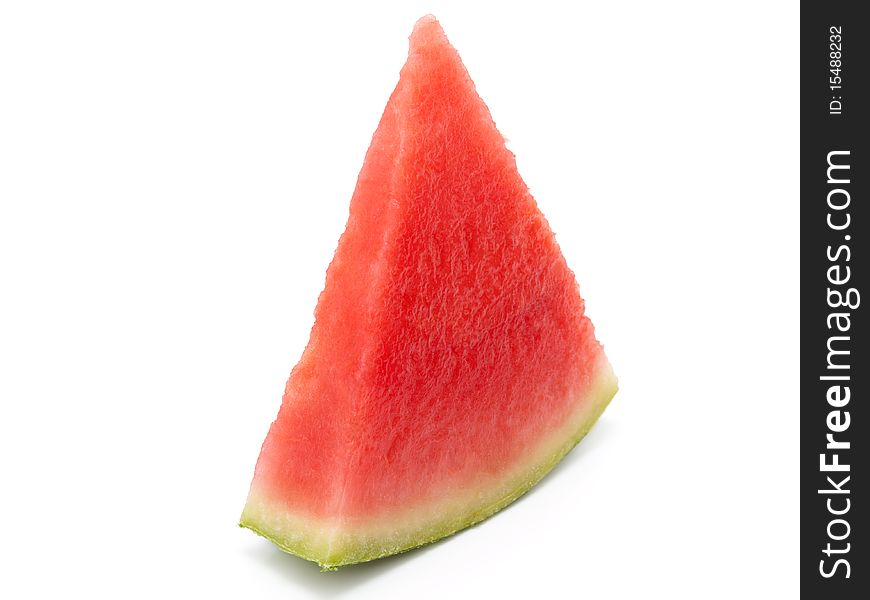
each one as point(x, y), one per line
point(451, 364)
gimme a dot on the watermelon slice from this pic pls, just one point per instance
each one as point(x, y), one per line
point(451, 365)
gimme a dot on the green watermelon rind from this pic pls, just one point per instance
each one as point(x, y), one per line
point(597, 399)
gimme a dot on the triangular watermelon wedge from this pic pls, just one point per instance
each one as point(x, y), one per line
point(451, 365)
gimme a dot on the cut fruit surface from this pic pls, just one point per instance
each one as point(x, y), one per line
point(451, 364)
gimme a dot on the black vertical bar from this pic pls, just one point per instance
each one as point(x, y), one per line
point(834, 369)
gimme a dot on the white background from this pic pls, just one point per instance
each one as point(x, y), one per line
point(174, 177)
